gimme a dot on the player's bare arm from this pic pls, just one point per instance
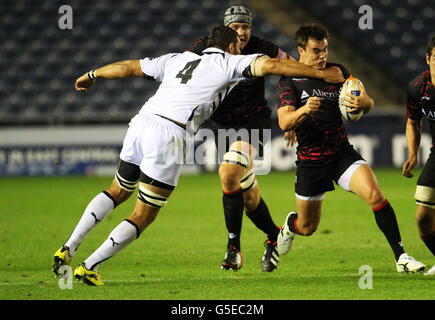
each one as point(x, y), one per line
point(116, 70)
point(289, 118)
point(362, 102)
point(413, 136)
point(291, 68)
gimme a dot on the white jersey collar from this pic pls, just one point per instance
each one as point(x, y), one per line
point(213, 50)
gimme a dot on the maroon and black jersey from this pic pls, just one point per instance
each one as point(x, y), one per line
point(245, 106)
point(322, 134)
point(421, 100)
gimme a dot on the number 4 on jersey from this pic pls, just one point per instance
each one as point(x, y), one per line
point(186, 73)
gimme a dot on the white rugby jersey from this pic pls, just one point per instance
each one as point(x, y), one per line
point(192, 86)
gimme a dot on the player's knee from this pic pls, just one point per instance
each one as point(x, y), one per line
point(229, 176)
point(375, 197)
point(424, 216)
point(307, 229)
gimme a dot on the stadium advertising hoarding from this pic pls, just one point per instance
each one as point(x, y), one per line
point(94, 150)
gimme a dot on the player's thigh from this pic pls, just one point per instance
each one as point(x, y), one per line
point(363, 183)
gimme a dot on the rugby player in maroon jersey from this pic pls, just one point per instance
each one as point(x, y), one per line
point(324, 154)
point(420, 105)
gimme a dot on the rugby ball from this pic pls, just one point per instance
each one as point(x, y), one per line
point(353, 86)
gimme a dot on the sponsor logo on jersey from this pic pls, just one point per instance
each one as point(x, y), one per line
point(304, 95)
point(325, 94)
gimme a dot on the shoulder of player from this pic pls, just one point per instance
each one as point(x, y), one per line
point(343, 69)
point(414, 87)
point(286, 83)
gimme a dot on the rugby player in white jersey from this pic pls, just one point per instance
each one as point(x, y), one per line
point(192, 86)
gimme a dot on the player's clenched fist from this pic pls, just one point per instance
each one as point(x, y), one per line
point(83, 83)
point(312, 105)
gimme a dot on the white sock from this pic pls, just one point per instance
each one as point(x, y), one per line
point(124, 234)
point(94, 213)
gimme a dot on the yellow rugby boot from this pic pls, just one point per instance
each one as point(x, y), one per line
point(61, 257)
point(91, 278)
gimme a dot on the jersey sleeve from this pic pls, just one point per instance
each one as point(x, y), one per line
point(155, 67)
point(238, 66)
point(286, 93)
point(412, 99)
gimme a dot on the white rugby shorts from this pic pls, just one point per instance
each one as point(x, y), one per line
point(156, 145)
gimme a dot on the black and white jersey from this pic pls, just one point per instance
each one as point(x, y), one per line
point(193, 85)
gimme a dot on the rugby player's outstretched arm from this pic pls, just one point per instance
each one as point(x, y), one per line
point(291, 68)
point(116, 70)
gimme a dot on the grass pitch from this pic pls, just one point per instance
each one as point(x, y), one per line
point(178, 257)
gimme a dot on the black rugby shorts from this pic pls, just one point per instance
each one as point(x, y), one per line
point(316, 177)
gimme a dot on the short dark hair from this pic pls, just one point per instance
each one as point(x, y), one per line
point(430, 45)
point(307, 31)
point(221, 37)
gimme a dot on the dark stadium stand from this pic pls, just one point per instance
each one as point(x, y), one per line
point(40, 62)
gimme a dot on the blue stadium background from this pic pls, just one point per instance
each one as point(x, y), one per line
point(39, 62)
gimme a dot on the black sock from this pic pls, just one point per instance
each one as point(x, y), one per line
point(429, 241)
point(386, 221)
point(292, 223)
point(263, 221)
point(233, 211)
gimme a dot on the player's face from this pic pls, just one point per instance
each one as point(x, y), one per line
point(234, 47)
point(315, 53)
point(431, 61)
point(244, 32)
